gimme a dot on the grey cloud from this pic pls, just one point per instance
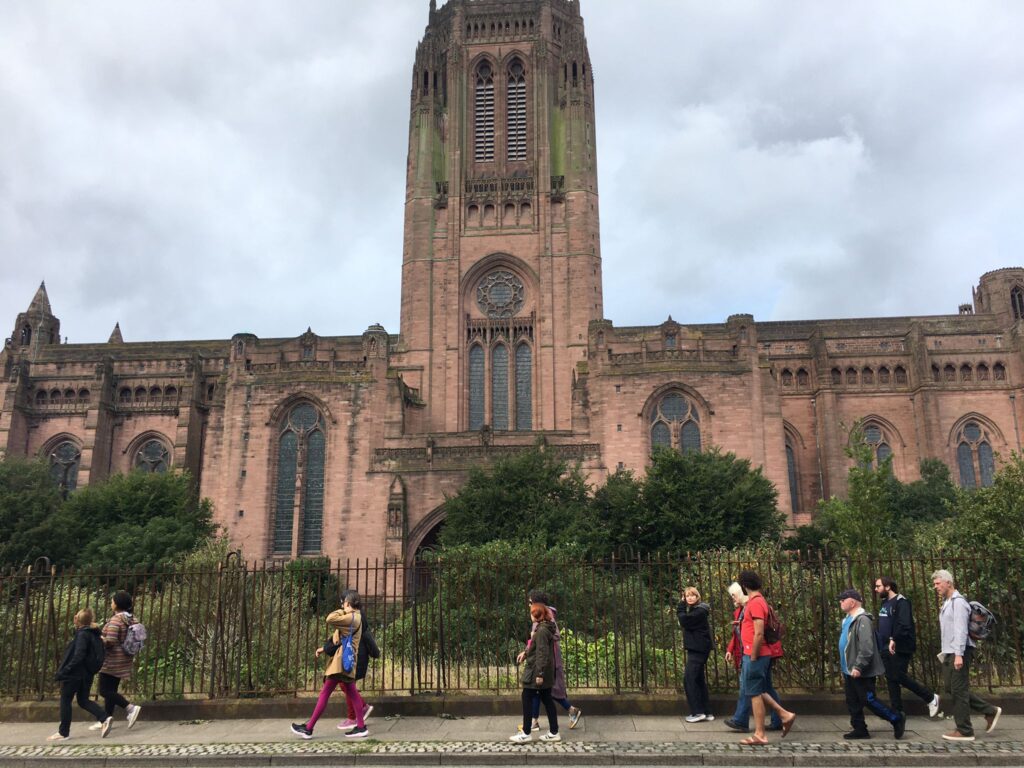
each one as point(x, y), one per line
point(197, 169)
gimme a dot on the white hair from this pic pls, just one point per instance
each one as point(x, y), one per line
point(736, 591)
point(943, 575)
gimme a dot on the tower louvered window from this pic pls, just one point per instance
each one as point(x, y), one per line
point(484, 114)
point(499, 387)
point(524, 387)
point(301, 452)
point(476, 387)
point(516, 111)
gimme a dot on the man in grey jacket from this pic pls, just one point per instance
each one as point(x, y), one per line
point(861, 664)
point(956, 652)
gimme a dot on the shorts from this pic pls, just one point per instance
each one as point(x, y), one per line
point(755, 675)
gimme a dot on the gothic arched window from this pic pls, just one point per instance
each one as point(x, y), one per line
point(64, 461)
point(476, 387)
point(524, 387)
point(974, 456)
point(516, 111)
point(803, 379)
point(499, 387)
point(876, 439)
point(152, 456)
point(300, 471)
point(675, 423)
point(1017, 302)
point(794, 482)
point(484, 114)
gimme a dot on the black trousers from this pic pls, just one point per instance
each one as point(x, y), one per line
point(78, 688)
point(896, 665)
point(549, 707)
point(108, 690)
point(696, 684)
point(860, 693)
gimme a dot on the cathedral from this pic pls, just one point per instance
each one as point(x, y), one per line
point(346, 446)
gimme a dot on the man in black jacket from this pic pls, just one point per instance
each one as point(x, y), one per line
point(897, 641)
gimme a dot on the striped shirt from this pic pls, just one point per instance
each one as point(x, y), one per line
point(117, 663)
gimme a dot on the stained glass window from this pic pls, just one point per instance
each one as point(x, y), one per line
point(500, 294)
point(1017, 302)
point(287, 467)
point(965, 462)
point(689, 437)
point(476, 387)
point(313, 498)
point(303, 434)
point(499, 387)
point(675, 414)
point(64, 461)
point(524, 387)
point(152, 457)
point(880, 447)
point(974, 456)
point(794, 489)
point(661, 436)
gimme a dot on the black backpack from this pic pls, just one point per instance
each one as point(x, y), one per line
point(97, 653)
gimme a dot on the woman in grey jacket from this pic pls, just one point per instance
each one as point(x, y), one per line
point(539, 675)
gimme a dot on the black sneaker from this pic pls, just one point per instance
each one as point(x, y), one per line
point(734, 726)
point(300, 729)
point(899, 727)
point(358, 733)
point(857, 735)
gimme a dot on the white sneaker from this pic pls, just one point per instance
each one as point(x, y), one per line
point(107, 725)
point(536, 724)
point(933, 707)
point(709, 718)
point(133, 714)
point(520, 737)
point(992, 719)
point(695, 718)
point(96, 726)
point(366, 712)
point(549, 736)
point(57, 737)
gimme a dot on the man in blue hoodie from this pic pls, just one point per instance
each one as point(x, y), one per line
point(861, 664)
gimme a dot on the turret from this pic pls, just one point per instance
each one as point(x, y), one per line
point(36, 326)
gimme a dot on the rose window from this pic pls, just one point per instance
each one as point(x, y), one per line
point(500, 294)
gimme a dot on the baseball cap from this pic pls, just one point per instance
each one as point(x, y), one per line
point(851, 593)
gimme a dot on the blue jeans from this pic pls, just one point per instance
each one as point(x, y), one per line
point(743, 707)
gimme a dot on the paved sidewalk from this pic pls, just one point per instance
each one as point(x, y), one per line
point(635, 740)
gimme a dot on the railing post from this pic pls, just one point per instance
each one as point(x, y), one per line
point(441, 660)
point(642, 625)
point(414, 678)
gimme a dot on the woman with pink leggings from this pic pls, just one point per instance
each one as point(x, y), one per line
point(346, 622)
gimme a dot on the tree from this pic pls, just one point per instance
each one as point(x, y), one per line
point(924, 500)
point(530, 496)
point(702, 500)
point(988, 520)
point(29, 502)
point(130, 520)
point(137, 519)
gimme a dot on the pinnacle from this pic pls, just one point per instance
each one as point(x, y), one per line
point(115, 335)
point(40, 302)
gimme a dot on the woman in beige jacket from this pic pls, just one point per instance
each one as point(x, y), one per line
point(345, 622)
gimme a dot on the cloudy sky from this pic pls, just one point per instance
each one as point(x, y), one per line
point(195, 169)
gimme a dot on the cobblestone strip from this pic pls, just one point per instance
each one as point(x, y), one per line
point(505, 753)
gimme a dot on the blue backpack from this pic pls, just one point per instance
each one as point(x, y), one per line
point(348, 654)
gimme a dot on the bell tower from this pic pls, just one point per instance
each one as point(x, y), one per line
point(501, 270)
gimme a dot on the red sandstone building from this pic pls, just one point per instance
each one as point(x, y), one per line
point(347, 445)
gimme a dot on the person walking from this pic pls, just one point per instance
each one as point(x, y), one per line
point(757, 656)
point(897, 641)
point(117, 663)
point(957, 652)
point(740, 720)
point(346, 622)
point(694, 615)
point(368, 649)
point(539, 675)
point(861, 664)
point(558, 690)
point(83, 657)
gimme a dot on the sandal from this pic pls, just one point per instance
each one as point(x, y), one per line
point(787, 725)
point(753, 741)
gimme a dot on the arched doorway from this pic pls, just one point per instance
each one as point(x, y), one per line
point(425, 536)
